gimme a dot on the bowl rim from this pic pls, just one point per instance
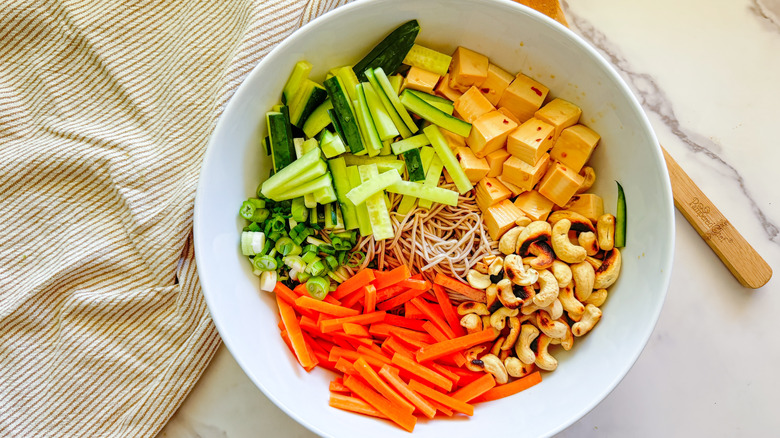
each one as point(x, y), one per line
point(582, 44)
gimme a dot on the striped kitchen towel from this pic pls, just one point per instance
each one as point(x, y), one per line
point(106, 107)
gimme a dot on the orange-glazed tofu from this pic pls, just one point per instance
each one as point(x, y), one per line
point(522, 174)
point(489, 132)
point(560, 114)
point(509, 114)
point(587, 204)
point(472, 104)
point(560, 183)
point(475, 168)
point(453, 140)
point(534, 205)
point(443, 89)
point(575, 145)
point(512, 188)
point(523, 97)
point(530, 140)
point(467, 68)
point(421, 80)
point(496, 160)
point(489, 191)
point(500, 218)
point(495, 83)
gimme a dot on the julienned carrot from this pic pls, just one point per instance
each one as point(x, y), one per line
point(352, 299)
point(369, 353)
point(306, 302)
point(354, 404)
point(294, 332)
point(445, 371)
point(398, 347)
point(422, 371)
point(396, 382)
point(475, 388)
point(440, 407)
point(460, 288)
point(389, 292)
point(512, 388)
point(444, 348)
point(337, 385)
point(353, 329)
point(402, 321)
point(383, 329)
point(411, 311)
point(458, 358)
point(392, 277)
point(330, 325)
point(354, 283)
point(369, 302)
point(433, 316)
point(345, 367)
point(372, 378)
point(400, 299)
point(337, 353)
point(446, 400)
point(362, 390)
point(413, 283)
point(450, 315)
point(285, 293)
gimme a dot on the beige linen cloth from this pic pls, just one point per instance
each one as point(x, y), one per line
point(105, 112)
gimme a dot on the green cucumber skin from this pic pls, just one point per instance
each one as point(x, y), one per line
point(620, 218)
point(414, 165)
point(434, 115)
point(316, 98)
point(390, 52)
point(282, 154)
point(344, 114)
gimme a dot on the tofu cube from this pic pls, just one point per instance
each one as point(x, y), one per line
point(500, 218)
point(587, 204)
point(512, 188)
point(530, 140)
point(560, 183)
point(443, 89)
point(489, 191)
point(522, 174)
point(575, 145)
point(472, 104)
point(420, 79)
point(489, 132)
point(509, 114)
point(453, 140)
point(467, 68)
point(559, 113)
point(534, 205)
point(496, 160)
point(495, 83)
point(475, 168)
point(523, 97)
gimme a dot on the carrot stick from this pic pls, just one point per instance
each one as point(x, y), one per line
point(310, 303)
point(285, 293)
point(337, 385)
point(368, 353)
point(353, 283)
point(402, 321)
point(412, 341)
point(353, 329)
point(450, 315)
point(411, 311)
point(389, 292)
point(329, 299)
point(458, 358)
point(406, 421)
point(352, 299)
point(345, 366)
point(460, 288)
point(432, 315)
point(397, 300)
point(444, 348)
point(445, 371)
point(398, 347)
point(354, 404)
point(369, 302)
point(475, 388)
point(508, 389)
point(294, 332)
point(414, 283)
point(330, 325)
point(396, 382)
point(422, 371)
point(440, 407)
point(384, 329)
point(372, 378)
point(337, 353)
point(392, 277)
point(322, 361)
point(450, 402)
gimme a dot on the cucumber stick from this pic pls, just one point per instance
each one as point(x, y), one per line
point(382, 122)
point(434, 115)
point(299, 74)
point(313, 172)
point(361, 211)
point(413, 142)
point(325, 194)
point(432, 176)
point(440, 103)
point(373, 186)
point(309, 96)
point(373, 142)
point(400, 126)
point(428, 59)
point(338, 170)
point(318, 119)
point(348, 80)
point(414, 165)
point(449, 159)
point(434, 194)
point(408, 201)
point(312, 186)
point(620, 218)
point(391, 51)
point(381, 227)
point(392, 94)
point(342, 106)
point(383, 163)
point(280, 138)
point(283, 176)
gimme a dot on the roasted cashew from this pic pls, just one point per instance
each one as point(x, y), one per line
point(563, 247)
point(508, 242)
point(494, 366)
point(571, 304)
point(498, 318)
point(588, 240)
point(579, 223)
point(535, 231)
point(472, 361)
point(523, 221)
point(495, 267)
point(548, 291)
point(590, 177)
point(605, 227)
point(495, 349)
point(491, 298)
point(515, 271)
point(471, 322)
point(478, 280)
point(544, 359)
point(562, 273)
point(528, 333)
point(555, 309)
point(597, 298)
point(567, 341)
point(481, 267)
point(467, 307)
point(608, 272)
point(514, 332)
point(596, 263)
point(507, 296)
point(550, 327)
point(544, 255)
point(513, 366)
point(584, 276)
point(589, 319)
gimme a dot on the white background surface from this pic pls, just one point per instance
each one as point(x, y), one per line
point(707, 75)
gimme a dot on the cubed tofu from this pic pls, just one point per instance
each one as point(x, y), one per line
point(467, 68)
point(522, 174)
point(454, 140)
point(495, 83)
point(575, 145)
point(489, 191)
point(472, 104)
point(560, 114)
point(530, 140)
point(475, 168)
point(489, 132)
point(420, 79)
point(443, 88)
point(509, 114)
point(560, 183)
point(500, 218)
point(523, 97)
point(534, 205)
point(512, 188)
point(496, 160)
point(587, 204)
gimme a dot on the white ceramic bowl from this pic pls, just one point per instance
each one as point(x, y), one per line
point(517, 39)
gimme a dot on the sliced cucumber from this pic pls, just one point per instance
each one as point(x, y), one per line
point(414, 165)
point(307, 161)
point(428, 59)
point(318, 119)
point(391, 51)
point(373, 186)
point(414, 142)
point(432, 176)
point(381, 227)
point(399, 124)
point(338, 170)
point(309, 96)
point(444, 105)
point(434, 194)
point(373, 142)
point(342, 106)
point(360, 210)
point(299, 74)
point(282, 147)
point(382, 121)
point(392, 95)
point(620, 218)
point(434, 115)
point(449, 159)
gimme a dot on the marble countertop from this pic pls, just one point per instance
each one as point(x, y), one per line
point(707, 73)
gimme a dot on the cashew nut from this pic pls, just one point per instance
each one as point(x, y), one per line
point(471, 322)
point(467, 307)
point(570, 304)
point(562, 273)
point(513, 366)
point(588, 241)
point(555, 309)
point(544, 359)
point(584, 276)
point(567, 341)
point(494, 366)
point(523, 221)
point(609, 270)
point(496, 347)
point(491, 298)
point(515, 271)
point(481, 267)
point(550, 327)
point(597, 298)
point(472, 361)
point(528, 333)
point(535, 231)
point(513, 297)
point(590, 178)
point(498, 318)
point(563, 247)
point(478, 280)
point(514, 332)
point(596, 263)
point(579, 223)
point(495, 267)
point(508, 242)
point(605, 227)
point(544, 255)
point(591, 316)
point(548, 291)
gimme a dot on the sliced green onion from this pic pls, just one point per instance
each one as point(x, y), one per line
point(356, 259)
point(309, 257)
point(264, 263)
point(315, 241)
point(311, 248)
point(327, 249)
point(303, 276)
point(295, 262)
point(275, 235)
point(318, 287)
point(316, 268)
point(247, 210)
point(253, 227)
point(332, 262)
point(285, 245)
